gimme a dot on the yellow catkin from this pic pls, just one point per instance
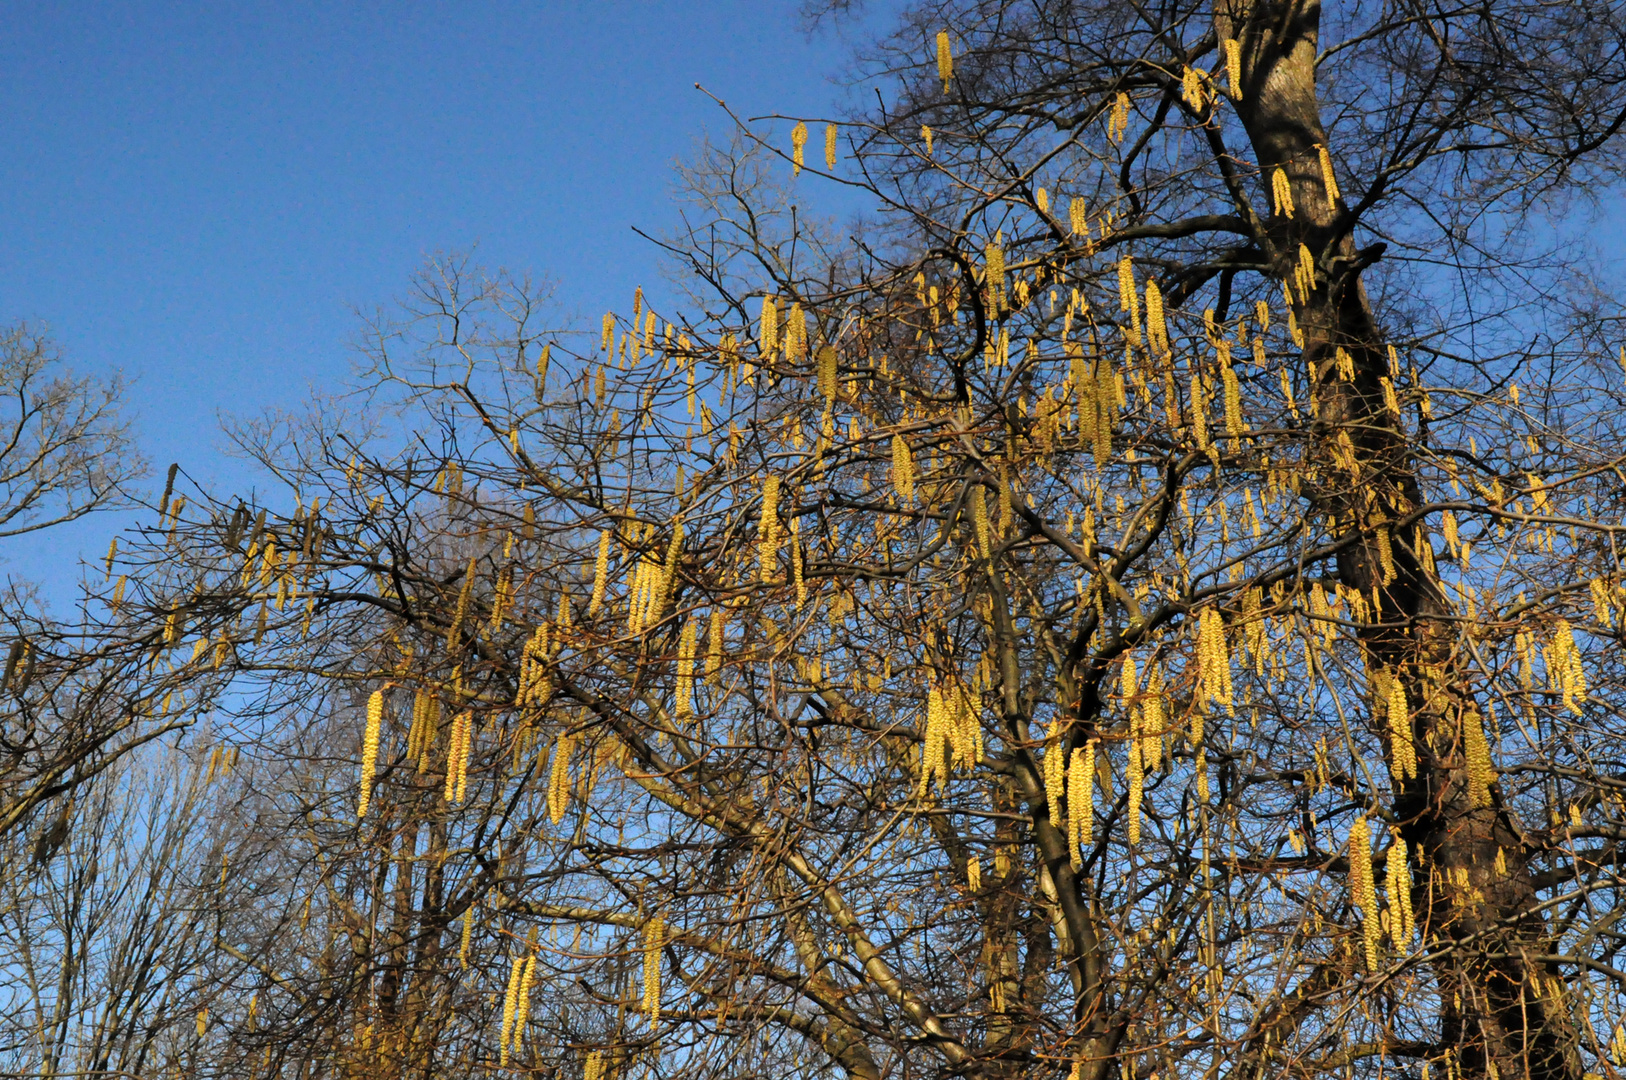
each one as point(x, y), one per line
point(798, 142)
point(464, 595)
point(1233, 67)
point(1086, 820)
point(369, 751)
point(995, 256)
point(768, 528)
point(945, 60)
point(112, 554)
point(903, 469)
point(510, 1005)
point(468, 932)
point(1157, 330)
point(827, 372)
point(1078, 217)
point(1054, 770)
point(1397, 883)
point(926, 134)
point(714, 648)
point(1233, 394)
point(768, 332)
point(830, 136)
point(559, 779)
point(457, 759)
point(1214, 659)
point(1136, 778)
point(685, 672)
point(979, 521)
point(1361, 888)
point(973, 874)
point(526, 980)
point(601, 573)
point(654, 939)
point(1281, 191)
point(608, 337)
point(1328, 179)
point(1080, 774)
point(1402, 748)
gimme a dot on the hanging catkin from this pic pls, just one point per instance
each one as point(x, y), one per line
point(798, 141)
point(1401, 747)
point(827, 371)
point(995, 255)
point(1328, 179)
point(714, 648)
point(1233, 67)
point(903, 469)
point(945, 60)
point(457, 759)
point(463, 596)
point(601, 573)
point(830, 147)
point(768, 528)
point(979, 521)
point(1157, 330)
point(1136, 777)
point(685, 672)
point(654, 939)
point(768, 334)
point(1080, 796)
point(369, 751)
point(1397, 883)
point(1281, 191)
point(1361, 889)
point(559, 779)
point(526, 980)
point(510, 1005)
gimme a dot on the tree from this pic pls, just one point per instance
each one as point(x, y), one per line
point(1143, 603)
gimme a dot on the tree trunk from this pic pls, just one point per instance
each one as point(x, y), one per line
point(1496, 1013)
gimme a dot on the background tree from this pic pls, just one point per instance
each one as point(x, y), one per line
point(1142, 600)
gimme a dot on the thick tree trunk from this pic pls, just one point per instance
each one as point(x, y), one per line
point(1454, 827)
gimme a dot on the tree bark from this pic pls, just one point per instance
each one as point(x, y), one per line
point(1496, 1013)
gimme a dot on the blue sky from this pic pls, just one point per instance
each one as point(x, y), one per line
point(200, 194)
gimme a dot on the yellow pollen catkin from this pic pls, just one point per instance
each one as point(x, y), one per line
point(1079, 797)
point(973, 874)
point(1281, 191)
point(979, 521)
point(768, 334)
point(1361, 889)
point(768, 528)
point(1233, 66)
point(714, 648)
point(685, 672)
point(945, 60)
point(830, 146)
point(559, 779)
point(1157, 330)
point(601, 573)
point(1397, 883)
point(926, 134)
point(995, 255)
point(369, 751)
point(510, 1004)
point(654, 939)
point(798, 141)
point(1078, 217)
point(903, 469)
point(1328, 179)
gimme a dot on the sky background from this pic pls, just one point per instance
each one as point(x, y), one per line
point(201, 195)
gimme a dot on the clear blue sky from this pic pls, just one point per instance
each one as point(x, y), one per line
point(200, 193)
